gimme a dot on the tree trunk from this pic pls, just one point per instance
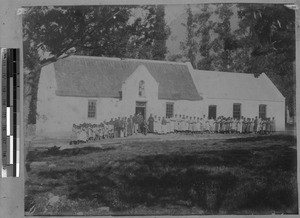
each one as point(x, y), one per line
point(33, 100)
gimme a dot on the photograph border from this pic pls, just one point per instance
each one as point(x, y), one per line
point(12, 189)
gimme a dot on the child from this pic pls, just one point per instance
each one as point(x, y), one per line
point(163, 126)
point(273, 125)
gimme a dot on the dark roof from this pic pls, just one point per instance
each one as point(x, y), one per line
point(238, 86)
point(103, 77)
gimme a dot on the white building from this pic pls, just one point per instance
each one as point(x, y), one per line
point(82, 89)
point(240, 94)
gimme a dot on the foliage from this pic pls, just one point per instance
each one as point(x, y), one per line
point(53, 33)
point(222, 45)
point(190, 46)
point(206, 25)
point(148, 35)
point(198, 44)
point(268, 32)
point(264, 42)
point(209, 43)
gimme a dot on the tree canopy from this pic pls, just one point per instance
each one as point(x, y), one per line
point(52, 33)
point(263, 42)
point(268, 31)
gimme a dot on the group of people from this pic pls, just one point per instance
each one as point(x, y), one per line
point(115, 128)
point(221, 124)
point(134, 124)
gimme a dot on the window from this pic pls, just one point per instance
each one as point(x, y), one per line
point(262, 111)
point(169, 110)
point(236, 111)
point(142, 88)
point(212, 111)
point(92, 109)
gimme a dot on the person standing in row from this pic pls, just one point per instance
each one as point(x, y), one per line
point(268, 125)
point(129, 125)
point(176, 121)
point(121, 127)
point(115, 123)
point(194, 120)
point(172, 124)
point(163, 126)
point(182, 123)
point(273, 125)
point(125, 127)
point(179, 123)
point(255, 125)
point(168, 125)
point(189, 122)
point(155, 124)
point(159, 126)
point(145, 127)
point(259, 125)
point(110, 128)
point(151, 124)
point(197, 125)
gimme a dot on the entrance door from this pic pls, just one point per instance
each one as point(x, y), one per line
point(212, 111)
point(140, 107)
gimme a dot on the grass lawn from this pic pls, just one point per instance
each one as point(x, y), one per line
point(253, 175)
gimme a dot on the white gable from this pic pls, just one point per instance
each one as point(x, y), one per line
point(131, 85)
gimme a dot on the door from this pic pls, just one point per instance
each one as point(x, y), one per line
point(212, 111)
point(140, 107)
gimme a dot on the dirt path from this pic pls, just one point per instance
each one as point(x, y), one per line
point(64, 144)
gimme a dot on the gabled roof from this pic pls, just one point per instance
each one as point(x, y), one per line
point(103, 77)
point(240, 86)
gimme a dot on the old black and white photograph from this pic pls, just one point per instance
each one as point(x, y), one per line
point(166, 109)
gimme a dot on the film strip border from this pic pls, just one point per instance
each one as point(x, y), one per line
point(10, 71)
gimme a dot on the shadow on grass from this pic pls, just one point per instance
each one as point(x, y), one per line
point(257, 180)
point(163, 180)
point(129, 189)
point(288, 138)
point(55, 151)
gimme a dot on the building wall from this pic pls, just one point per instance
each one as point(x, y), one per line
point(155, 106)
point(130, 92)
point(249, 109)
point(57, 114)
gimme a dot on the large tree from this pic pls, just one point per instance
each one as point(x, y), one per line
point(190, 45)
point(264, 42)
point(224, 42)
point(206, 25)
point(52, 33)
point(267, 31)
point(197, 45)
point(149, 34)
